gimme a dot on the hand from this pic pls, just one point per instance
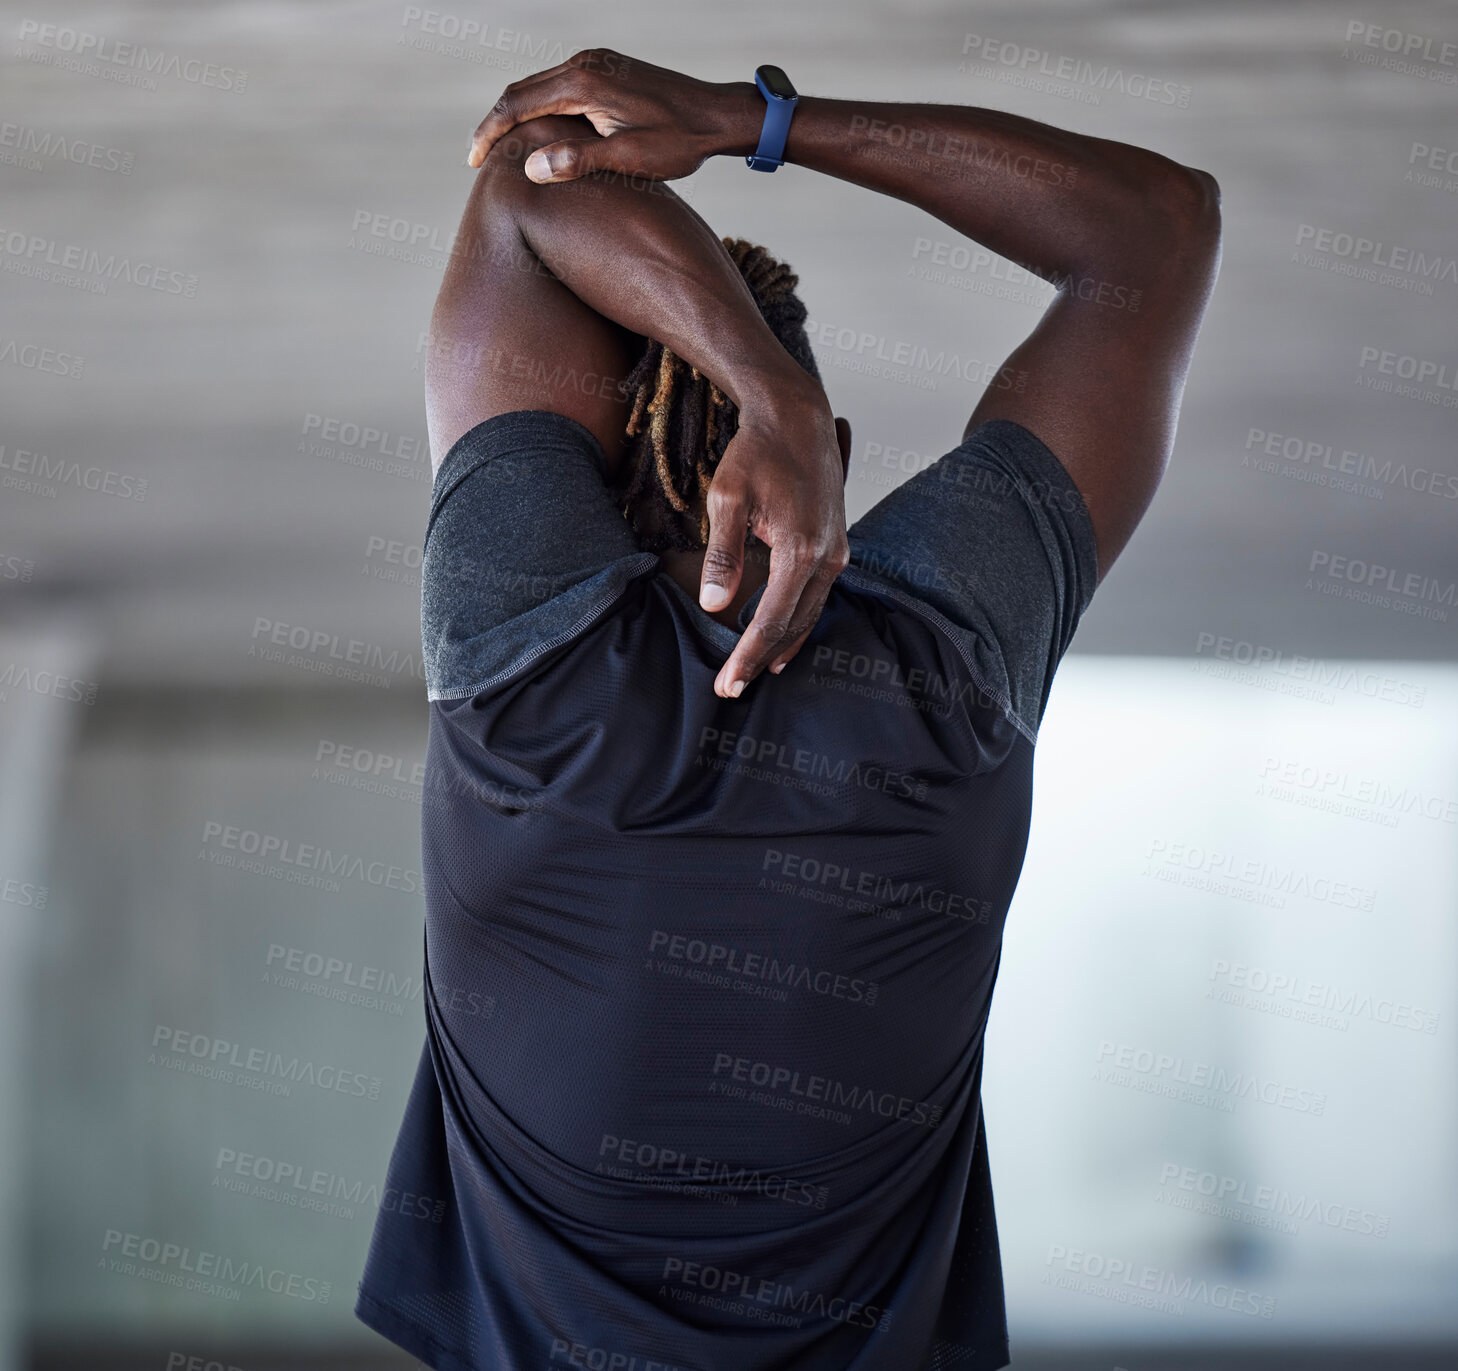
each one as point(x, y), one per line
point(780, 477)
point(654, 122)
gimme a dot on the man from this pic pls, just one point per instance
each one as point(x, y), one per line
point(709, 956)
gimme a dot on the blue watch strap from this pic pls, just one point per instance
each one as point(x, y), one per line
point(778, 110)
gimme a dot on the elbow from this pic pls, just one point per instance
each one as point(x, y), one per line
point(1189, 208)
point(1169, 226)
point(1209, 186)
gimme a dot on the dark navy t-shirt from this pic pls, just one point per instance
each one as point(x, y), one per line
point(706, 979)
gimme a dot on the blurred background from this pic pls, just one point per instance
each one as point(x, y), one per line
point(1221, 1088)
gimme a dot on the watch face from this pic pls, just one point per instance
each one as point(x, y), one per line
point(776, 82)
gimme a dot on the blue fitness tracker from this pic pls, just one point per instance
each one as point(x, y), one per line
point(779, 104)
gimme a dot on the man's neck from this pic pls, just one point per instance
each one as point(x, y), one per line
point(687, 568)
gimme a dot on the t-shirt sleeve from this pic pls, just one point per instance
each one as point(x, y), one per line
point(524, 549)
point(996, 539)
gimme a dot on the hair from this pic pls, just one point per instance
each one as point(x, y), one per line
point(680, 423)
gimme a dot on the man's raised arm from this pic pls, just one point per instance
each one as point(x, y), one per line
point(548, 285)
point(1130, 238)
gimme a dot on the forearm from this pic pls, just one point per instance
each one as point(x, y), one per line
point(632, 250)
point(1060, 203)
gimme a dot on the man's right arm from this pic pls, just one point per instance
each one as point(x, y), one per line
point(1130, 238)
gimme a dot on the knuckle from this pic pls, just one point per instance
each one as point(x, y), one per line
point(804, 553)
point(627, 148)
point(774, 630)
point(723, 498)
point(719, 561)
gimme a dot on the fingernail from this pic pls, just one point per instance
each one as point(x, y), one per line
point(737, 689)
point(779, 667)
point(714, 597)
point(537, 167)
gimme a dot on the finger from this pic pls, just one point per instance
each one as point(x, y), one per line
point(728, 508)
point(792, 565)
point(504, 116)
point(532, 77)
point(783, 658)
point(592, 58)
point(826, 570)
point(812, 602)
point(560, 94)
point(573, 157)
point(808, 611)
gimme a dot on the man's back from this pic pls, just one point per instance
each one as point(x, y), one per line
point(729, 960)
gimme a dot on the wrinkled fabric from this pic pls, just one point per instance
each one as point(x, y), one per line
point(707, 980)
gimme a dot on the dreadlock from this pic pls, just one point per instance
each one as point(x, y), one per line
point(680, 423)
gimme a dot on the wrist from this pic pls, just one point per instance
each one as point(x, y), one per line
point(737, 114)
point(785, 396)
